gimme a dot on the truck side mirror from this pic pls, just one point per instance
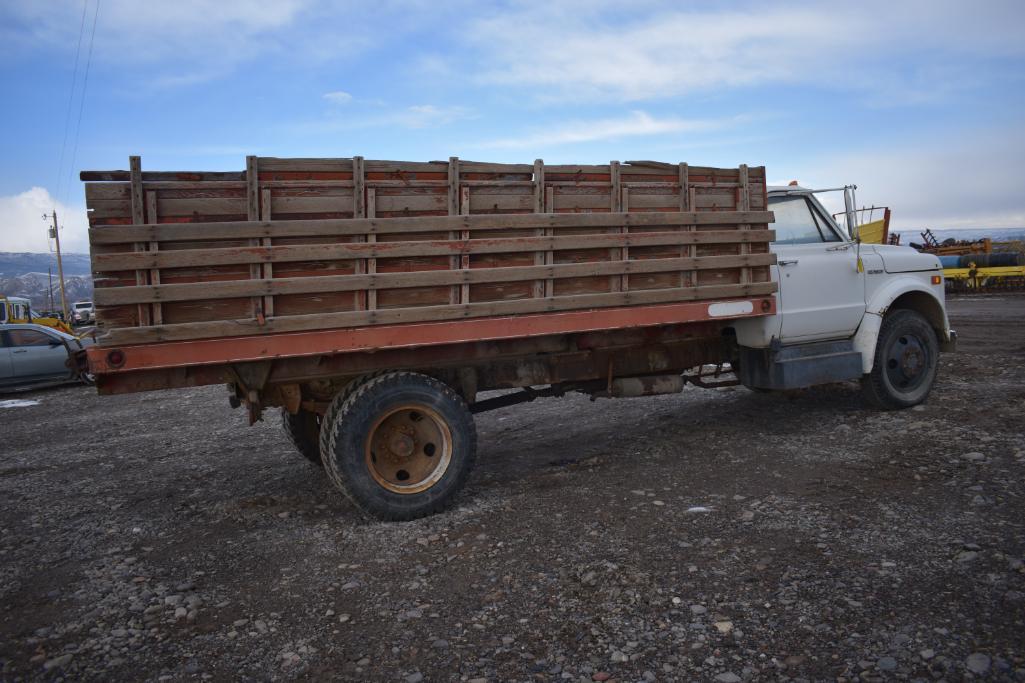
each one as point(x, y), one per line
point(849, 210)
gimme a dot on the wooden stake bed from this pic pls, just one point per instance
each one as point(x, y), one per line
point(315, 245)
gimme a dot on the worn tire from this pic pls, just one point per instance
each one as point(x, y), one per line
point(303, 432)
point(905, 363)
point(336, 403)
point(357, 431)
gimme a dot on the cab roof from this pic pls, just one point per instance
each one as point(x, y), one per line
point(786, 188)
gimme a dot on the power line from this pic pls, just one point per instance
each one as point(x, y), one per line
point(71, 100)
point(81, 101)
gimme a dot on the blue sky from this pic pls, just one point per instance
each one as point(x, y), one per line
point(919, 103)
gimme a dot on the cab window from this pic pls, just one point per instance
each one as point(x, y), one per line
point(798, 223)
point(28, 338)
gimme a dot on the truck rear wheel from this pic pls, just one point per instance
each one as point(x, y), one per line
point(303, 432)
point(906, 358)
point(400, 445)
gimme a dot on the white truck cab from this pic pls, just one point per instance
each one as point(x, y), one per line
point(846, 310)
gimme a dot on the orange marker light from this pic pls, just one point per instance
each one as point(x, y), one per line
point(937, 279)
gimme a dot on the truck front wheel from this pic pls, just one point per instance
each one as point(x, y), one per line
point(400, 446)
point(906, 358)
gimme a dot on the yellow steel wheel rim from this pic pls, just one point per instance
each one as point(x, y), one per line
point(408, 449)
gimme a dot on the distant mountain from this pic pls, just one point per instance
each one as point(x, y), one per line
point(24, 274)
point(13, 264)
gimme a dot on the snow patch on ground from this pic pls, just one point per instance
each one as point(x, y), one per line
point(18, 403)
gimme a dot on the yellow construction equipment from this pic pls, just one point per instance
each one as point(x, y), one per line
point(17, 309)
point(872, 230)
point(984, 279)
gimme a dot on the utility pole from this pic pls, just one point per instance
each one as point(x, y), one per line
point(56, 235)
point(49, 287)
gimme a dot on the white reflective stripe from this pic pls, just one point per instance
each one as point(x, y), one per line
point(730, 308)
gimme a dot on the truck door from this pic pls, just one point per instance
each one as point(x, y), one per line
point(822, 294)
point(34, 354)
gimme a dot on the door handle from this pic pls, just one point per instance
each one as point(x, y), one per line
point(842, 247)
point(19, 351)
point(787, 262)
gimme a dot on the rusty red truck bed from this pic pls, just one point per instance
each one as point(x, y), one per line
point(305, 257)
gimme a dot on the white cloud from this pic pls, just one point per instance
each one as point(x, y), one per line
point(430, 116)
point(338, 97)
point(637, 123)
point(593, 51)
point(23, 228)
point(380, 116)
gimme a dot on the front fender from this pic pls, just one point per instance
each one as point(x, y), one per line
point(905, 292)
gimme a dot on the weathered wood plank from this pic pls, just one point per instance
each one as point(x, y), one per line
point(400, 167)
point(239, 255)
point(336, 203)
point(538, 288)
point(464, 259)
point(616, 206)
point(123, 234)
point(268, 268)
point(138, 210)
point(340, 165)
point(491, 202)
point(743, 204)
point(359, 210)
point(253, 214)
point(197, 291)
point(190, 176)
point(623, 282)
point(228, 328)
point(359, 187)
point(549, 232)
point(276, 164)
point(139, 217)
point(687, 279)
point(371, 263)
point(156, 311)
point(488, 167)
point(411, 203)
point(454, 197)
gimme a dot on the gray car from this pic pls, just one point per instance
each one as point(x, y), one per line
point(33, 354)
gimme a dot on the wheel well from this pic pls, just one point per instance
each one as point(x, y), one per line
point(927, 306)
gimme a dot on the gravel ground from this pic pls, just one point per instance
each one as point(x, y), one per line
point(713, 535)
